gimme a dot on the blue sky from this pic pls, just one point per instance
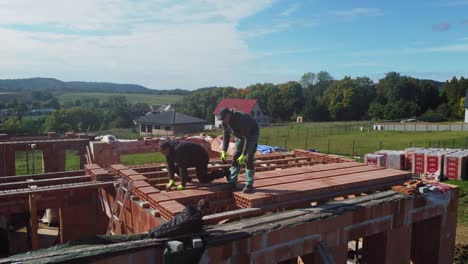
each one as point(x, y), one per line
point(166, 44)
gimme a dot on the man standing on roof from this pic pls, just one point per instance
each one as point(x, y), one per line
point(246, 131)
point(181, 155)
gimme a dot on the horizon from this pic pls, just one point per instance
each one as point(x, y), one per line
point(194, 44)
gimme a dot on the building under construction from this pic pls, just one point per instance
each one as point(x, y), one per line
point(307, 208)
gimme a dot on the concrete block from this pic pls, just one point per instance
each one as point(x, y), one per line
point(197, 242)
point(174, 246)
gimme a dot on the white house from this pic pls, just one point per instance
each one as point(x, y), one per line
point(248, 106)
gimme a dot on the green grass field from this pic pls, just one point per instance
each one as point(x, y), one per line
point(150, 99)
point(25, 165)
point(463, 202)
point(140, 159)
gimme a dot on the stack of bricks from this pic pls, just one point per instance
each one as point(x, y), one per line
point(97, 173)
point(394, 159)
point(320, 157)
point(288, 188)
point(375, 160)
point(456, 166)
point(435, 161)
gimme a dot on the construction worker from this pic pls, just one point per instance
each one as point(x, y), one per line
point(181, 155)
point(246, 131)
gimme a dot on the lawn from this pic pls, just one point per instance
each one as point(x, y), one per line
point(139, 159)
point(347, 138)
point(25, 165)
point(151, 99)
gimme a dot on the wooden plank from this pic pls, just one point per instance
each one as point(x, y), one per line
point(34, 223)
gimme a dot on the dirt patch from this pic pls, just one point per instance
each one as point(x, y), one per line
point(462, 234)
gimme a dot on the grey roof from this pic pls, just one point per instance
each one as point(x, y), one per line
point(169, 118)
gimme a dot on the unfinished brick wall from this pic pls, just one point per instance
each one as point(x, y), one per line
point(53, 149)
point(415, 228)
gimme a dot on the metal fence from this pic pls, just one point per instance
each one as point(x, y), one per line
point(422, 127)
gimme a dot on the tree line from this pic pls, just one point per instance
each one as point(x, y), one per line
point(85, 115)
point(315, 97)
point(320, 97)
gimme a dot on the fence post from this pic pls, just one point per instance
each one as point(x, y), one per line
point(285, 140)
point(27, 162)
point(453, 142)
point(266, 140)
point(307, 137)
point(411, 144)
point(429, 144)
point(380, 145)
point(438, 143)
point(328, 145)
point(466, 141)
point(352, 154)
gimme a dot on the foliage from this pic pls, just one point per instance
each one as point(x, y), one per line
point(22, 125)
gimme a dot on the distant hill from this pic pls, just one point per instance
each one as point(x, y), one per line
point(50, 84)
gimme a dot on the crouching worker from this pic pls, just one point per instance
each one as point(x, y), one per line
point(181, 155)
point(185, 223)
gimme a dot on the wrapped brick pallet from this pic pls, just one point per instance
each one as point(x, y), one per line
point(456, 165)
point(419, 160)
point(374, 159)
point(394, 159)
point(409, 156)
point(435, 161)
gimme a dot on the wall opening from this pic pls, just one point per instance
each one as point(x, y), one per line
point(28, 162)
point(72, 160)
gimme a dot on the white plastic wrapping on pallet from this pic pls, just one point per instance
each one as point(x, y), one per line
point(455, 167)
point(394, 159)
point(419, 160)
point(409, 156)
point(434, 163)
point(374, 159)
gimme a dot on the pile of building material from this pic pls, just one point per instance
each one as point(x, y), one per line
point(375, 160)
point(393, 159)
point(431, 163)
point(456, 165)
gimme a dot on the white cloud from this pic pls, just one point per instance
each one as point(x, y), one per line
point(358, 12)
point(291, 9)
point(160, 43)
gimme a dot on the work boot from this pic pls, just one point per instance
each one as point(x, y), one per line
point(249, 177)
point(233, 175)
point(180, 188)
point(248, 189)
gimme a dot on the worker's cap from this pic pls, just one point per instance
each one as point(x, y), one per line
point(164, 144)
point(222, 113)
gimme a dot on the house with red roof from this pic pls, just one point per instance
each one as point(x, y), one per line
point(248, 106)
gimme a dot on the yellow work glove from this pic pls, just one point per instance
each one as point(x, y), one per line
point(170, 184)
point(241, 159)
point(180, 188)
point(223, 156)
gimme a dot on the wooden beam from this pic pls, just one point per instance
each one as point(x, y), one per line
point(34, 224)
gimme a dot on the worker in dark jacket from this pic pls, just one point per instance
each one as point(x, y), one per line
point(181, 155)
point(246, 131)
point(189, 221)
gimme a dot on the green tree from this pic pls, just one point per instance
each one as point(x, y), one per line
point(349, 99)
point(308, 80)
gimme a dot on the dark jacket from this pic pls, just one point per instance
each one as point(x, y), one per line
point(243, 126)
point(185, 154)
point(187, 222)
